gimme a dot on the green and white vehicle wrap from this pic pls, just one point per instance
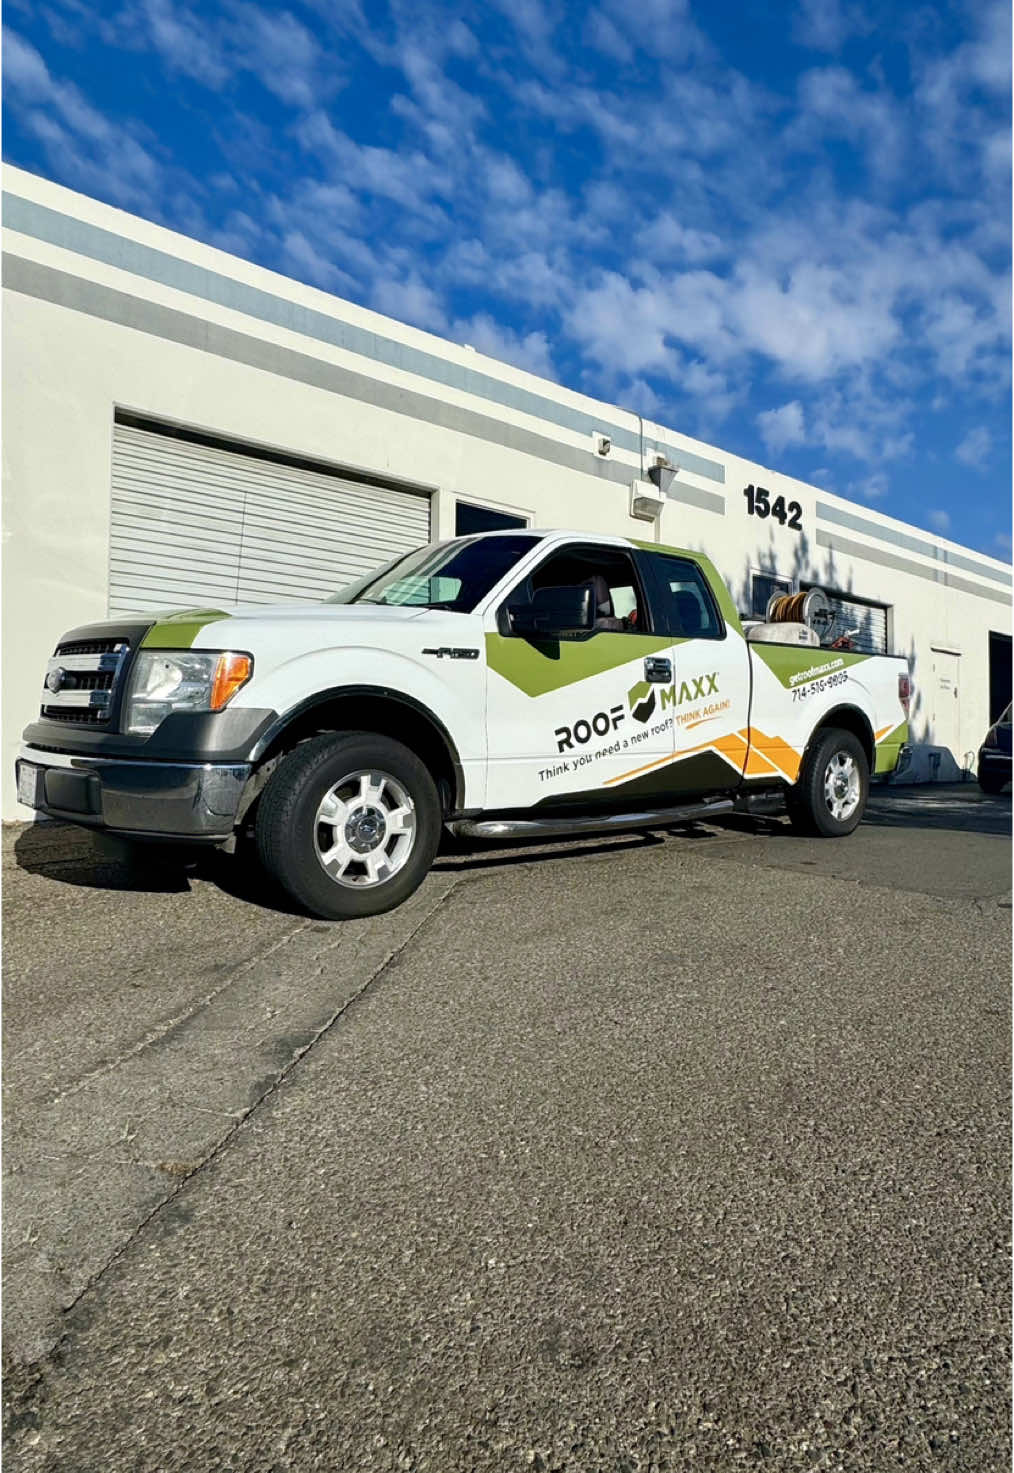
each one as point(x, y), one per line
point(509, 684)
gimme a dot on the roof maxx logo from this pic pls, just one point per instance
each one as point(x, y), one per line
point(641, 697)
point(641, 700)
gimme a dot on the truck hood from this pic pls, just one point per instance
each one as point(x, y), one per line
point(314, 613)
point(326, 623)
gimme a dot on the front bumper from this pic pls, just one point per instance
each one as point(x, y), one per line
point(151, 800)
point(994, 759)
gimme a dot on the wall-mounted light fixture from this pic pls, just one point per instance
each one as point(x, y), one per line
point(646, 501)
point(662, 472)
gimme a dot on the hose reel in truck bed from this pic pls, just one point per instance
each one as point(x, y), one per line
point(794, 618)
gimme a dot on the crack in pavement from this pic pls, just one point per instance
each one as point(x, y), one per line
point(169, 1025)
point(30, 1373)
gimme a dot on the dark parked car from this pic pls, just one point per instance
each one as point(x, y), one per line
point(994, 755)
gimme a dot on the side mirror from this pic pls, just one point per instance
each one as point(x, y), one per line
point(554, 612)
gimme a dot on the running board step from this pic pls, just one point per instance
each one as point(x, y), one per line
point(603, 823)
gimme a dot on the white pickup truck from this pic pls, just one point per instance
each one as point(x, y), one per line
point(506, 685)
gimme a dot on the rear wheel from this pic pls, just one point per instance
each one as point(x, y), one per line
point(830, 795)
point(349, 825)
point(993, 781)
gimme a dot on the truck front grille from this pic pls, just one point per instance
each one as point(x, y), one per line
point(81, 679)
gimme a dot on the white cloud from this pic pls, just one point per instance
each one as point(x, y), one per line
point(782, 427)
point(305, 261)
point(284, 56)
point(825, 25)
point(24, 68)
point(940, 521)
point(533, 19)
point(868, 488)
point(410, 301)
point(710, 240)
point(974, 449)
point(638, 395)
point(813, 322)
point(607, 37)
point(624, 328)
point(78, 141)
point(666, 239)
point(529, 351)
point(183, 40)
point(408, 178)
point(834, 104)
point(662, 27)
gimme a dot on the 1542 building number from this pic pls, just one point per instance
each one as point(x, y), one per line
point(759, 504)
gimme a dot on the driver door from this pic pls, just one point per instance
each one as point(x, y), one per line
point(574, 719)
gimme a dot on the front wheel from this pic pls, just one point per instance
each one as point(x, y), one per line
point(349, 825)
point(992, 781)
point(830, 797)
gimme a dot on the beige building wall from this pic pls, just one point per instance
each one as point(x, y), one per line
point(105, 312)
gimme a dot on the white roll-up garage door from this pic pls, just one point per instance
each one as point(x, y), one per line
point(862, 622)
point(195, 524)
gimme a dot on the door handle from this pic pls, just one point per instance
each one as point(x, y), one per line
point(658, 669)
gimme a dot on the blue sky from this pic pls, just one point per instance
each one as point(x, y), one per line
point(785, 230)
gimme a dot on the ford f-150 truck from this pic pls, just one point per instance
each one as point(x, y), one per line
point(511, 684)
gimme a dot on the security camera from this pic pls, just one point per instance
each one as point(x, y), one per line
point(603, 444)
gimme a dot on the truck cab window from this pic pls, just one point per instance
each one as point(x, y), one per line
point(688, 610)
point(619, 603)
point(444, 575)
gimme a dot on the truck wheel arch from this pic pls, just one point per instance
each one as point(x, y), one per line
point(371, 708)
point(848, 718)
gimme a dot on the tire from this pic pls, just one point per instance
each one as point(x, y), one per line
point(349, 824)
point(829, 798)
point(993, 782)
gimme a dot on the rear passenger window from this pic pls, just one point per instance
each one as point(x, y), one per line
point(688, 606)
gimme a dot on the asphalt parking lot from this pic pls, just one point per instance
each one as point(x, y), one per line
point(668, 1151)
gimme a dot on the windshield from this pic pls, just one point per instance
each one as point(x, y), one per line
point(443, 575)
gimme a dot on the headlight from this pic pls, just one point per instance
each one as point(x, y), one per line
point(181, 680)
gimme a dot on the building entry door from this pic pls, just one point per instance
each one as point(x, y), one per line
point(947, 701)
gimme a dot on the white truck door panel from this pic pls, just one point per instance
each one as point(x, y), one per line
point(560, 717)
point(708, 701)
point(568, 716)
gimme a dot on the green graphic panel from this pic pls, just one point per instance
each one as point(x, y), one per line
point(539, 667)
point(889, 750)
point(178, 630)
point(785, 662)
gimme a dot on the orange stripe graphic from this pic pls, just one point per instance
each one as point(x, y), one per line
point(731, 747)
point(748, 751)
point(759, 766)
point(778, 752)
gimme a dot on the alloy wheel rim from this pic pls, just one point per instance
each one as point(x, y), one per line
point(841, 786)
point(364, 829)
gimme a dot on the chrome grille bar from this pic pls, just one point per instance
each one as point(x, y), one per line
point(84, 698)
point(81, 663)
point(80, 679)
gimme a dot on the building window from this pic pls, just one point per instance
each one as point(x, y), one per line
point(857, 623)
point(469, 519)
point(762, 586)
